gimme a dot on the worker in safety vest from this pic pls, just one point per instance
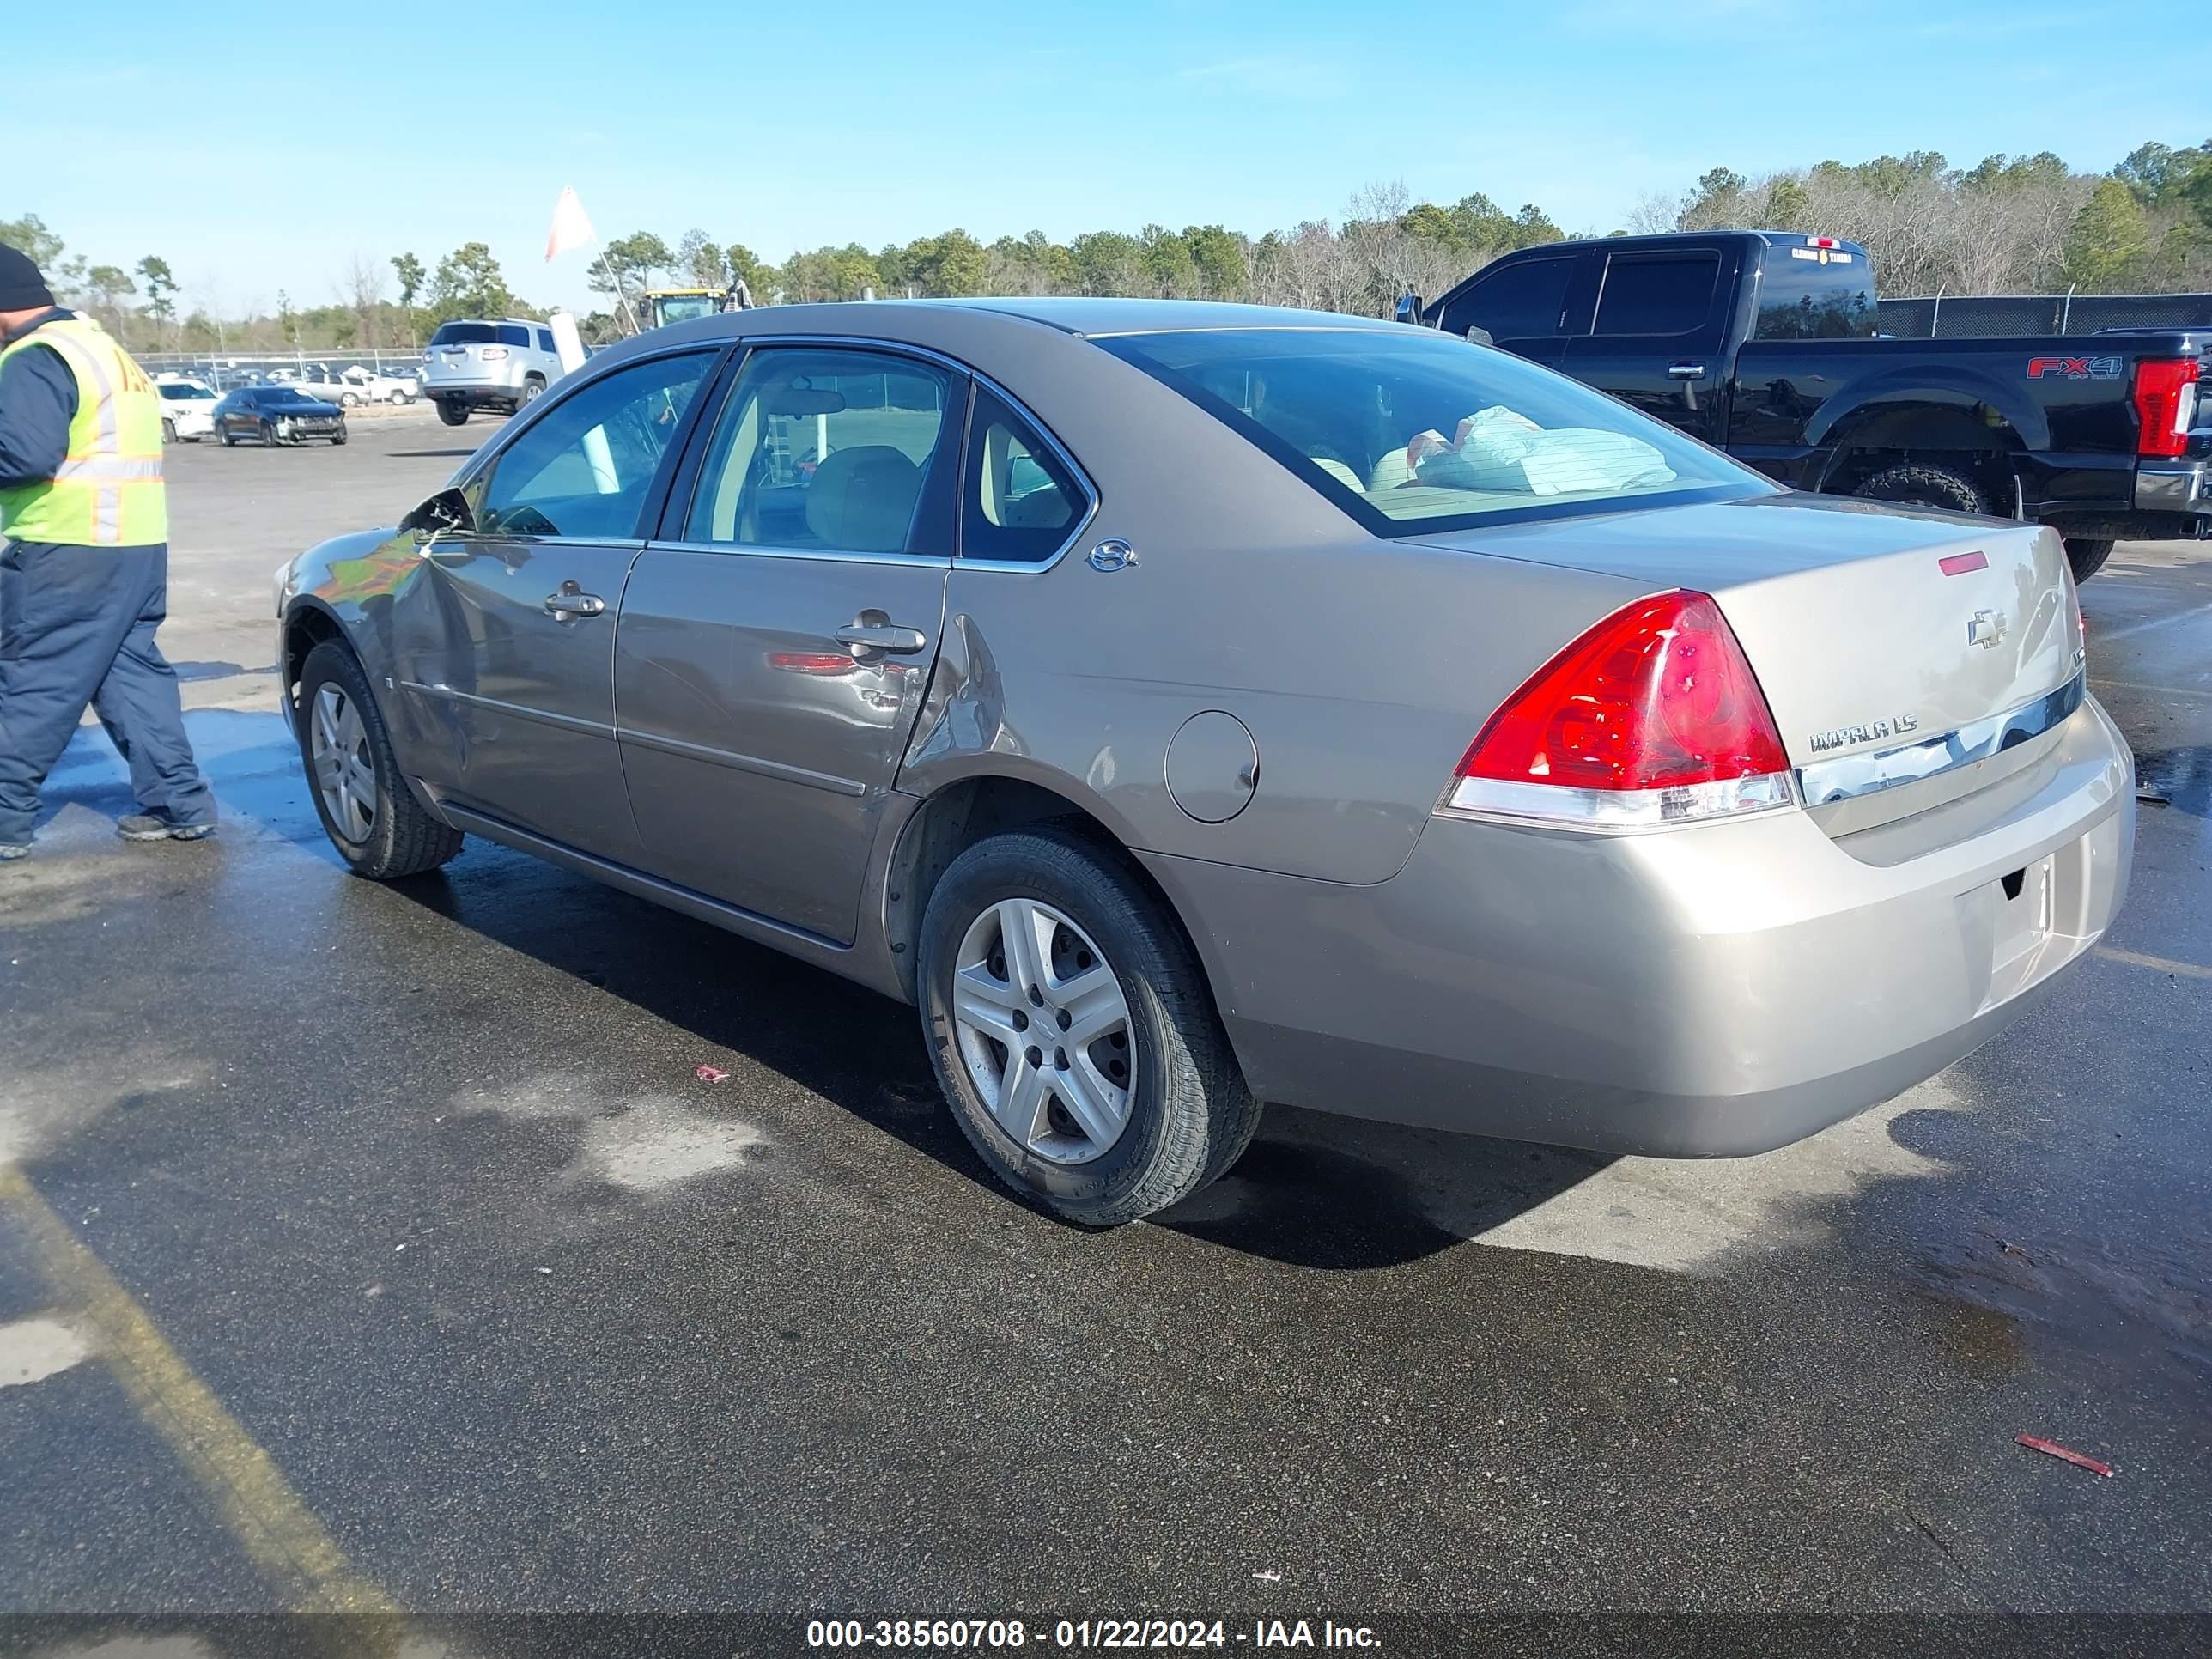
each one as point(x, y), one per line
point(84, 572)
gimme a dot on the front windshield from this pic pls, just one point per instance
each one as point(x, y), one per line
point(175, 393)
point(1410, 431)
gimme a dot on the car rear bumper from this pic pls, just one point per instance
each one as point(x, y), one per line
point(1711, 991)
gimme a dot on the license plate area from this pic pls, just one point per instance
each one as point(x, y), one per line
point(2023, 913)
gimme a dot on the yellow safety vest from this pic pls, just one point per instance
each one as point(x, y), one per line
point(108, 492)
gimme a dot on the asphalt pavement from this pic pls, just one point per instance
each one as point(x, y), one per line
point(377, 1249)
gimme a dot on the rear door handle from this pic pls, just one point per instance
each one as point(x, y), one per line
point(899, 642)
point(1685, 371)
point(570, 600)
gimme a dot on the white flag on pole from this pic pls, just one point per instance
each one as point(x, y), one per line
point(571, 229)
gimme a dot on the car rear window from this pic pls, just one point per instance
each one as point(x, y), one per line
point(1410, 431)
point(514, 334)
point(464, 334)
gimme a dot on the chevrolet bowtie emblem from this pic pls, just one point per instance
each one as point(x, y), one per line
point(1985, 627)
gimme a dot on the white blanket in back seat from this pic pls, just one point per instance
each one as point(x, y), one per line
point(1497, 449)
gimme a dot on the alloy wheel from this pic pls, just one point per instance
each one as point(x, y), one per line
point(338, 742)
point(1044, 1031)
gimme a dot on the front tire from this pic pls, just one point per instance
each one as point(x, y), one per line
point(168, 432)
point(1922, 484)
point(2088, 556)
point(1074, 1032)
point(367, 811)
point(452, 411)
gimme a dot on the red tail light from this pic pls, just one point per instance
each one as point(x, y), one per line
point(2166, 404)
point(1652, 717)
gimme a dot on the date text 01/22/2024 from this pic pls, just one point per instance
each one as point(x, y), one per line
point(1165, 1635)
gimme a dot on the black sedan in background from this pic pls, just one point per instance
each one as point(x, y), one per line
point(278, 415)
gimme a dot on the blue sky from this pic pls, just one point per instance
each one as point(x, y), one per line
point(260, 147)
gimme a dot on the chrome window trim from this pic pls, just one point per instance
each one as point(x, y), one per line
point(1846, 777)
point(871, 342)
point(828, 555)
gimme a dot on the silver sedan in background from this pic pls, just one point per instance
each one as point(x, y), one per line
point(1186, 706)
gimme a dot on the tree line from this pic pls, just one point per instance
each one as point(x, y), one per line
point(2010, 224)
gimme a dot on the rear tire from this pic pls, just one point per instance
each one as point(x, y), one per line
point(2088, 556)
point(1186, 1113)
point(533, 388)
point(1921, 484)
point(394, 836)
point(452, 411)
point(168, 432)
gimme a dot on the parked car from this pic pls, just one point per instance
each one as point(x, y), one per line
point(470, 365)
point(1190, 705)
point(1763, 343)
point(276, 415)
point(351, 387)
point(188, 410)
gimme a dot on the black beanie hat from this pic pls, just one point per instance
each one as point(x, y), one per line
point(22, 287)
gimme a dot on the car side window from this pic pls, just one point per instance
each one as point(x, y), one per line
point(1656, 293)
point(514, 334)
point(546, 340)
point(584, 467)
point(823, 447)
point(1019, 501)
point(1520, 301)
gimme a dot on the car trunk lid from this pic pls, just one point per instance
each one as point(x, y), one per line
point(1908, 657)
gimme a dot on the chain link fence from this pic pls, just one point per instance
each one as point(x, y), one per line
point(2013, 316)
point(225, 370)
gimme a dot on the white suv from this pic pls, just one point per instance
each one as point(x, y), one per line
point(503, 365)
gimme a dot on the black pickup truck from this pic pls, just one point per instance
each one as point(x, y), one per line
point(1764, 344)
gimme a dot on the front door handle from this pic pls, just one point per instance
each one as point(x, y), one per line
point(898, 641)
point(569, 600)
point(1685, 371)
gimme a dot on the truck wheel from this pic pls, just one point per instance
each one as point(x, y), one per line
point(1073, 1031)
point(533, 386)
point(2087, 557)
point(452, 411)
point(349, 400)
point(1918, 484)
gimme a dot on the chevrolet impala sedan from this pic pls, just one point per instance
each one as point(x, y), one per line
point(1189, 706)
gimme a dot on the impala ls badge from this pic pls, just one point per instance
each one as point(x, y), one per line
point(1985, 629)
point(1843, 737)
point(1112, 554)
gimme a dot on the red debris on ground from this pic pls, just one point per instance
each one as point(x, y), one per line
point(2053, 1449)
point(713, 1075)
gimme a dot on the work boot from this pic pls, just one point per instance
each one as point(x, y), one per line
point(145, 826)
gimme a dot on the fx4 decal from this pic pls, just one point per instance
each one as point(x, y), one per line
point(2074, 368)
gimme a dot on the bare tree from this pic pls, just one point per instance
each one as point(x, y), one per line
point(364, 290)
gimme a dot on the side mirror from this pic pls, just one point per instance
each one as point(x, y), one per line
point(1409, 308)
point(447, 510)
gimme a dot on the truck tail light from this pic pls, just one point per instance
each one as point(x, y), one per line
point(1652, 717)
point(2166, 404)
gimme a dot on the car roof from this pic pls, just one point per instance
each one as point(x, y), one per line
point(1086, 314)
